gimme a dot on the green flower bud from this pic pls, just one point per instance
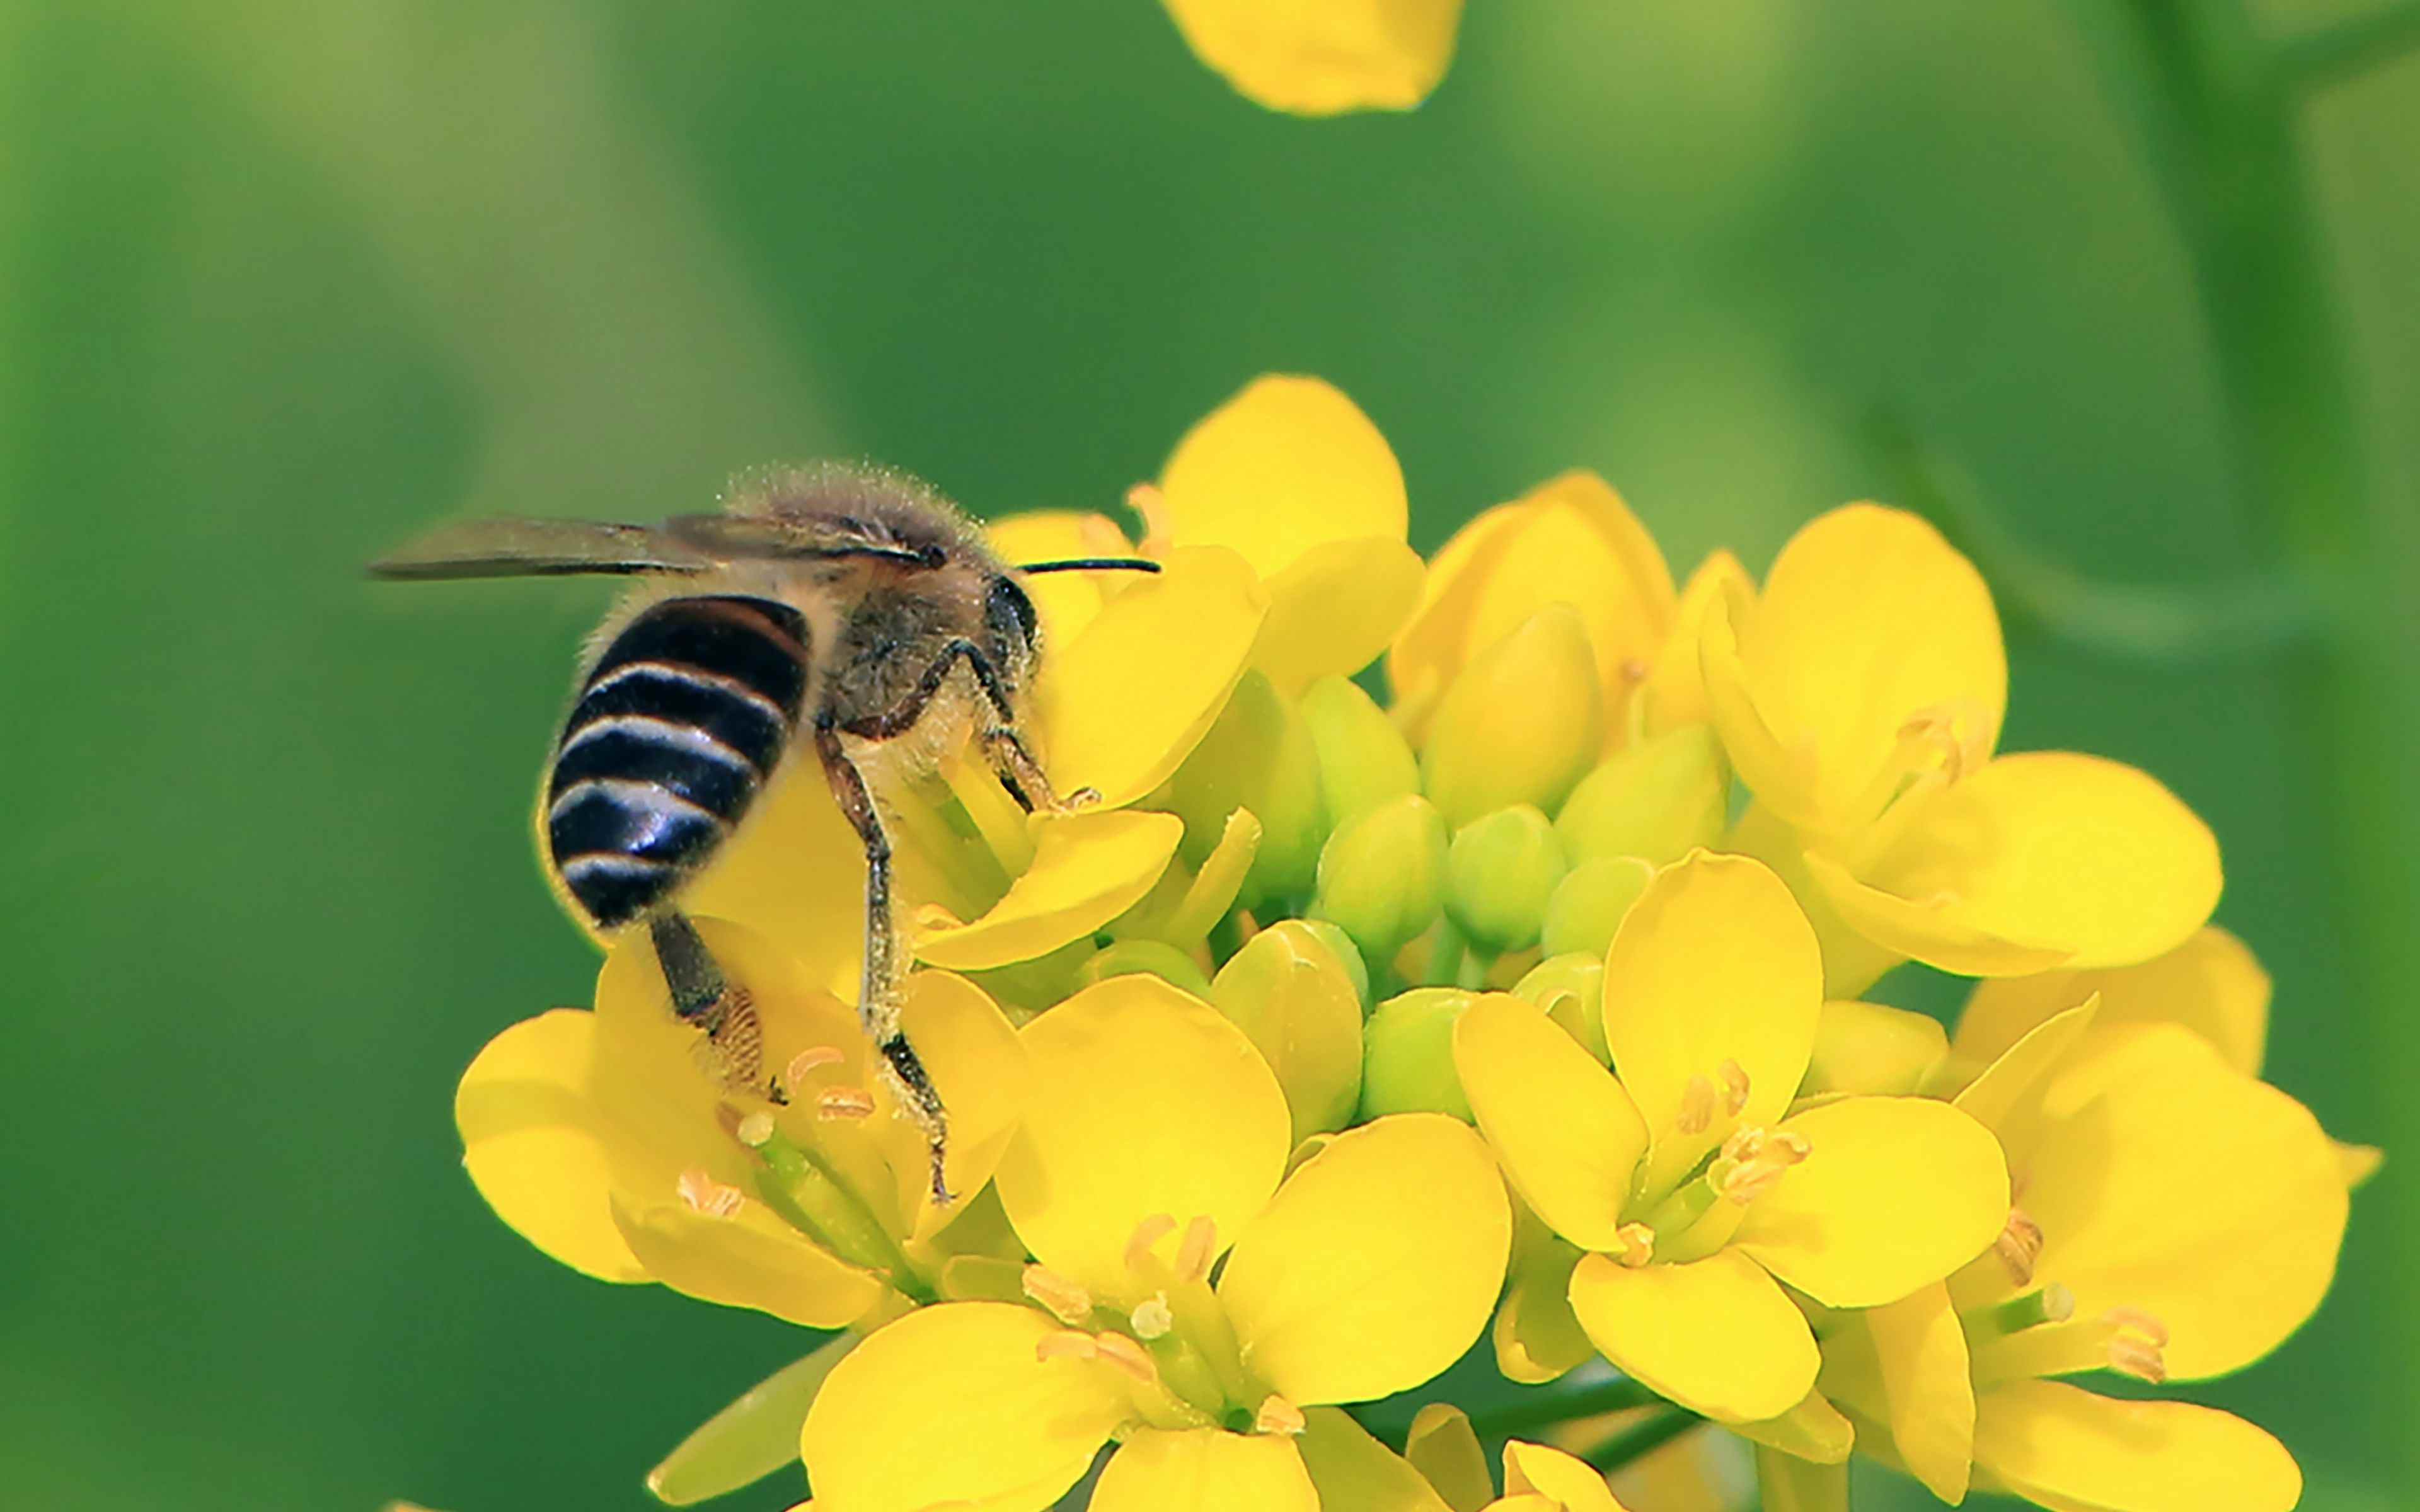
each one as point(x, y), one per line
point(1382, 877)
point(1590, 905)
point(1869, 1049)
point(1259, 756)
point(1146, 958)
point(1363, 759)
point(1499, 873)
point(1407, 1055)
point(1655, 799)
point(1289, 994)
point(1348, 955)
point(1571, 988)
point(1520, 724)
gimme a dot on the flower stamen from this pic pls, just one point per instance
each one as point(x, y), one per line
point(837, 1103)
point(2019, 1247)
point(2137, 1348)
point(1277, 1416)
point(1753, 1160)
point(807, 1062)
point(1065, 1299)
point(706, 1196)
point(1734, 1079)
point(1146, 1234)
point(1070, 1343)
point(1128, 1357)
point(1638, 1245)
point(1152, 1316)
point(754, 1131)
point(1199, 1247)
point(1697, 1113)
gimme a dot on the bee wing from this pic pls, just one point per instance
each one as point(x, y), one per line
point(781, 536)
point(510, 548)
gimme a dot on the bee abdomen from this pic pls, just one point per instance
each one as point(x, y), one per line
point(676, 730)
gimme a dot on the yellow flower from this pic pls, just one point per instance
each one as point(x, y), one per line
point(1443, 1469)
point(2176, 1219)
point(1691, 1188)
point(1328, 58)
point(599, 1138)
point(1860, 697)
point(1154, 1143)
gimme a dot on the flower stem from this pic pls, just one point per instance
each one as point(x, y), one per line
point(1645, 1439)
point(1545, 1411)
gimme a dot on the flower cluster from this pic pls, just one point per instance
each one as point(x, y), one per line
point(1337, 1037)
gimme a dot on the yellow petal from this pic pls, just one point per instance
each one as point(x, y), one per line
point(1124, 703)
point(818, 911)
point(2212, 984)
point(1287, 465)
point(2357, 1163)
point(1867, 1048)
point(977, 1063)
point(1334, 608)
point(1444, 1447)
point(1535, 1336)
point(2047, 851)
point(1895, 1193)
point(751, 1439)
point(1567, 1132)
point(1675, 695)
point(1570, 540)
point(1716, 1336)
point(1868, 620)
point(1787, 1484)
point(1376, 1264)
point(1814, 1430)
point(1088, 868)
point(531, 1142)
point(1328, 58)
point(1908, 1372)
point(1204, 1469)
point(2069, 1449)
point(1714, 963)
point(2181, 1187)
point(1021, 1429)
point(749, 1259)
point(1355, 1473)
point(1145, 1101)
point(1567, 1482)
point(1066, 601)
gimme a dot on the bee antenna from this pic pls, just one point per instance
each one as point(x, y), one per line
point(1092, 565)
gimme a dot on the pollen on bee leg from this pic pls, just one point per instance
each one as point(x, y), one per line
point(1152, 1316)
point(808, 1061)
point(1195, 1252)
point(1637, 1244)
point(1147, 1233)
point(2019, 1247)
point(1066, 1300)
point(1128, 1357)
point(1697, 1113)
point(2137, 1349)
point(705, 1195)
point(836, 1102)
point(1277, 1416)
point(1734, 1080)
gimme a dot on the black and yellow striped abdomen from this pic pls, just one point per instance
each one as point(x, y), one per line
point(675, 733)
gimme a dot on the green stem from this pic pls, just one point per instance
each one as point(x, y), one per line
point(1639, 1442)
point(1446, 960)
point(1543, 1411)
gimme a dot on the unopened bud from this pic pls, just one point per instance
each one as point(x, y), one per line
point(1571, 988)
point(1500, 871)
point(1590, 903)
point(1520, 724)
point(1295, 1000)
point(1382, 877)
point(1655, 800)
point(1348, 955)
point(1363, 759)
point(1870, 1050)
point(1259, 756)
point(1146, 958)
point(1407, 1055)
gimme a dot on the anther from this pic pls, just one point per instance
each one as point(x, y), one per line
point(1753, 1160)
point(1193, 1256)
point(2136, 1320)
point(1126, 1356)
point(1697, 1113)
point(1152, 1316)
point(1151, 504)
point(1147, 1233)
point(2137, 1348)
point(1734, 1079)
point(1277, 1416)
point(807, 1062)
point(1070, 1343)
point(1066, 1300)
point(2019, 1247)
point(755, 1131)
point(705, 1194)
point(1637, 1244)
point(835, 1102)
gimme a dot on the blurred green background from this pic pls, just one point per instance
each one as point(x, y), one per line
point(279, 283)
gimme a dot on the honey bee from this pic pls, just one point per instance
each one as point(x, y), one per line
point(853, 611)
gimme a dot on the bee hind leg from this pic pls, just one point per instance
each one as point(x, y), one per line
point(717, 1007)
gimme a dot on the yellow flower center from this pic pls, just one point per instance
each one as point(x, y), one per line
point(1277, 1416)
point(1749, 1164)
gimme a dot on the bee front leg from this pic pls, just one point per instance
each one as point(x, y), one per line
point(881, 986)
point(710, 1002)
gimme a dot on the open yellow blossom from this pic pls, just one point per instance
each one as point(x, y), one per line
point(1328, 58)
point(1153, 1146)
point(1860, 697)
point(1443, 1471)
point(615, 1141)
point(2175, 1218)
point(1693, 1189)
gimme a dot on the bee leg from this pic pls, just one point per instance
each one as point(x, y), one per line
point(878, 991)
point(710, 1002)
point(1015, 765)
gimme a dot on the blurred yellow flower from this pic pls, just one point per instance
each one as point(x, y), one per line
point(1154, 1144)
point(1323, 58)
point(1694, 1191)
point(598, 1137)
point(1860, 696)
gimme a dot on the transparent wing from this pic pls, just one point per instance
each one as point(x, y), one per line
point(508, 547)
point(788, 536)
